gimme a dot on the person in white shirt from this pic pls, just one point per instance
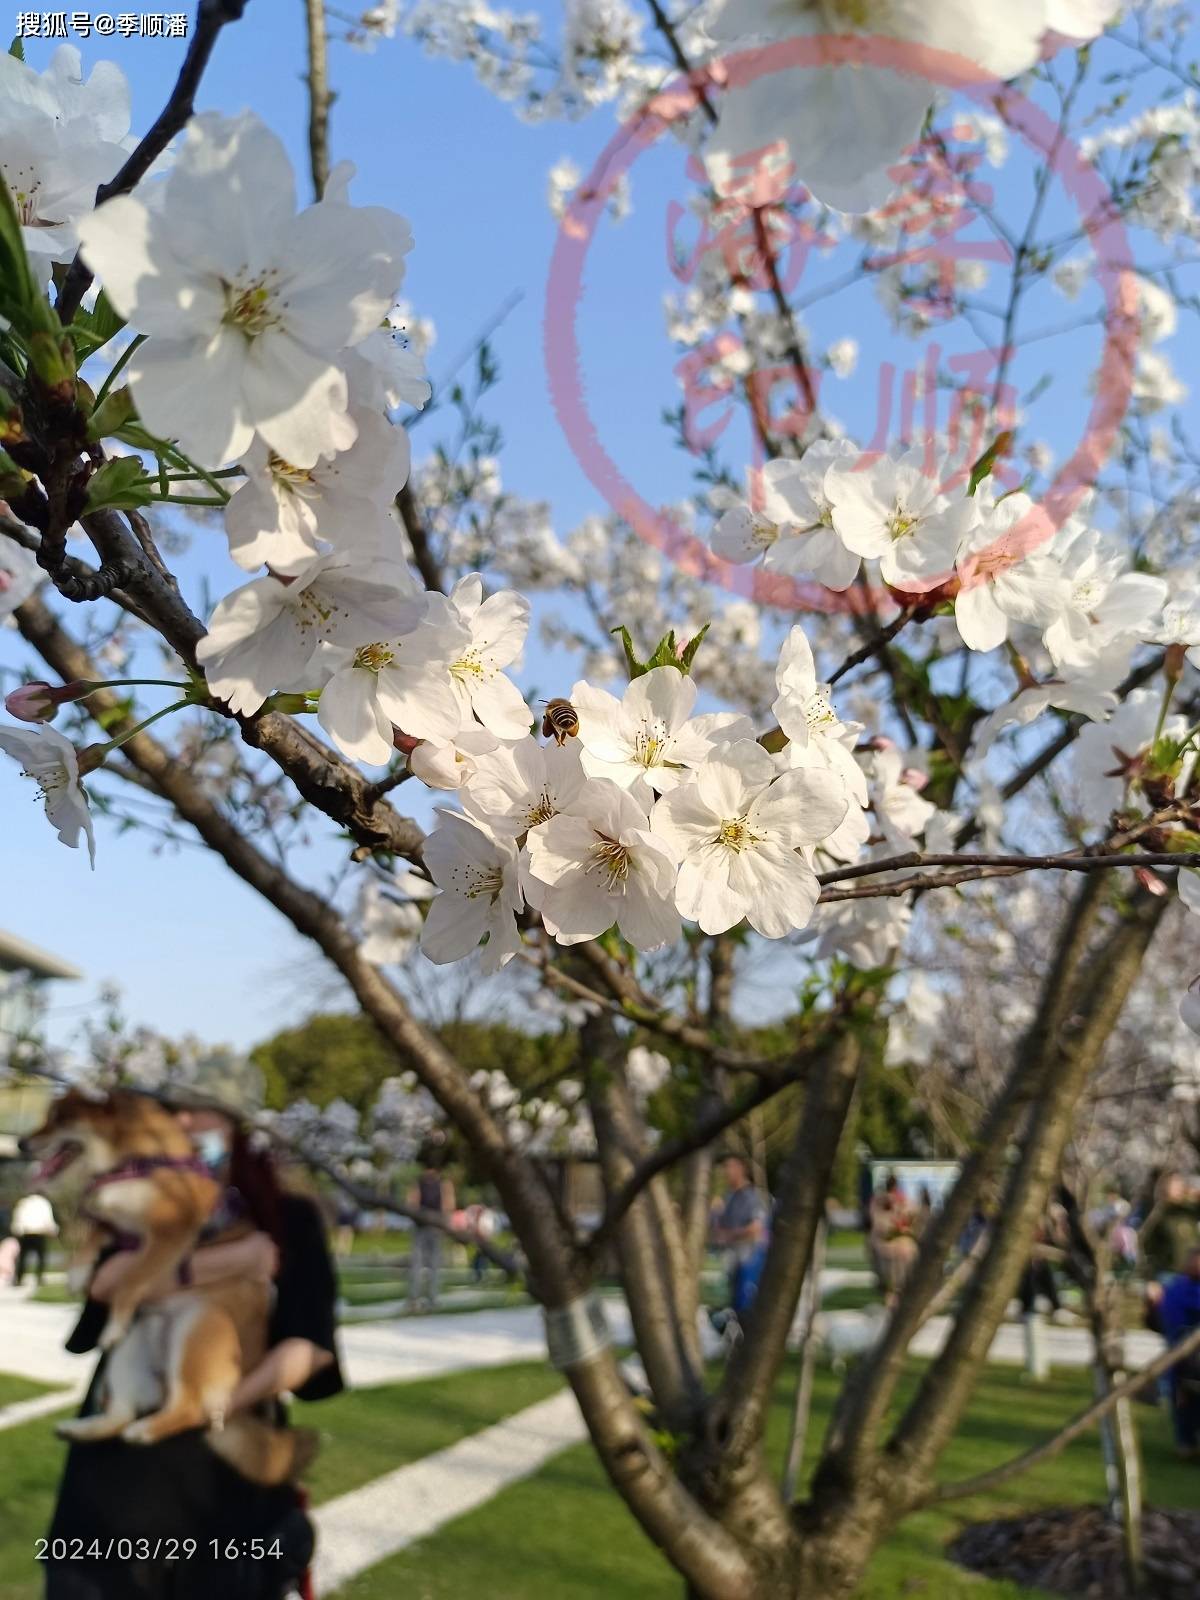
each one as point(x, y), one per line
point(33, 1225)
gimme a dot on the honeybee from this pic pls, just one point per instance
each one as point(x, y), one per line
point(561, 721)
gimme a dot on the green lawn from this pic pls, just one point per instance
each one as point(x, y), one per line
point(364, 1433)
point(564, 1535)
point(13, 1388)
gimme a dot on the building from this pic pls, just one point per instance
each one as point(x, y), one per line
point(24, 973)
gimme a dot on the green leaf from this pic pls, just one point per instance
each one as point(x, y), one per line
point(121, 484)
point(984, 466)
point(689, 649)
point(17, 49)
point(636, 668)
point(91, 330)
point(18, 290)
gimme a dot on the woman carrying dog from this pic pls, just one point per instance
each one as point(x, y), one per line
point(247, 1541)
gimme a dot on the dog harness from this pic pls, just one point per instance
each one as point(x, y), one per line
point(139, 1167)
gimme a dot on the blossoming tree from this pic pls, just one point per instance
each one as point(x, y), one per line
point(1000, 691)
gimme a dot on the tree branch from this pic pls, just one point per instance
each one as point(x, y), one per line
point(985, 1482)
point(211, 17)
point(319, 96)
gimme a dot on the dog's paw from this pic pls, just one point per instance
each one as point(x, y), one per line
point(115, 1330)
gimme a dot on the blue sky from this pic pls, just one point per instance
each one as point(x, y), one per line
point(189, 946)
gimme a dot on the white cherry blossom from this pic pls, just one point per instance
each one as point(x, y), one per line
point(842, 126)
point(61, 136)
point(266, 635)
point(492, 637)
point(737, 831)
point(245, 319)
point(891, 508)
point(896, 799)
point(449, 765)
point(999, 588)
point(53, 764)
point(650, 733)
point(20, 576)
point(597, 865)
point(400, 681)
point(804, 711)
point(1104, 601)
point(520, 786)
point(477, 873)
point(789, 520)
point(388, 928)
point(283, 514)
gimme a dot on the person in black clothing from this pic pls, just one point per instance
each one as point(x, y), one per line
point(180, 1490)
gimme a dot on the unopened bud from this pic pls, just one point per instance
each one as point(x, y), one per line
point(1150, 881)
point(38, 702)
point(404, 741)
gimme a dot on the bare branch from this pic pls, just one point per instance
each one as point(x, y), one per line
point(985, 1482)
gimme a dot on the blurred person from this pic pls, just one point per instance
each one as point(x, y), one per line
point(434, 1193)
point(1180, 1314)
point(740, 1227)
point(891, 1245)
point(33, 1227)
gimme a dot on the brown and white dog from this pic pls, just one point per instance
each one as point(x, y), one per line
point(174, 1362)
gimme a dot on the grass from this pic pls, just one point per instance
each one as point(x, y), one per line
point(363, 1433)
point(13, 1388)
point(564, 1535)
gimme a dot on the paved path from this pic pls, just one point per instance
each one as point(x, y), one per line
point(360, 1529)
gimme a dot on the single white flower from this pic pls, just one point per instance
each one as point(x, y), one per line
point(999, 588)
point(266, 635)
point(481, 895)
point(597, 865)
point(866, 932)
point(61, 136)
point(401, 681)
point(20, 575)
point(1104, 602)
point(493, 637)
point(282, 513)
point(890, 507)
point(843, 126)
point(520, 786)
point(646, 1071)
point(1180, 623)
point(789, 521)
point(737, 831)
point(390, 364)
point(895, 798)
point(915, 1027)
point(449, 765)
point(1107, 754)
point(53, 764)
point(1082, 695)
point(246, 303)
point(388, 928)
point(804, 711)
point(650, 732)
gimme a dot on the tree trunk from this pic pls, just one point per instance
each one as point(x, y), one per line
point(810, 1302)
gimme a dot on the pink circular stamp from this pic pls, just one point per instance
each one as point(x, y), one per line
point(766, 234)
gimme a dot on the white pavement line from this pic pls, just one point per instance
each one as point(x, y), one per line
point(40, 1405)
point(360, 1529)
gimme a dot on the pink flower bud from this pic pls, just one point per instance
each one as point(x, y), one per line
point(1150, 881)
point(404, 741)
point(914, 778)
point(32, 702)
